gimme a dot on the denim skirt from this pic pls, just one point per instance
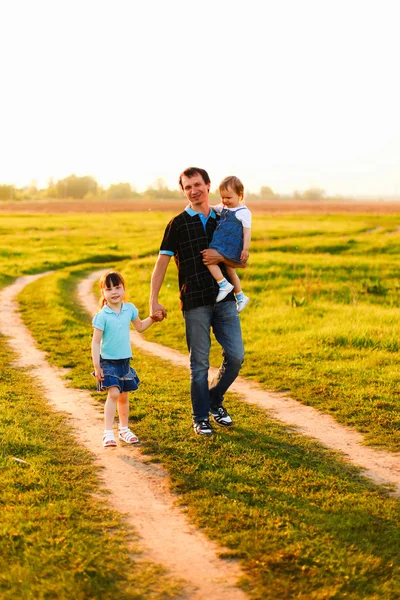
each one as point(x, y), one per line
point(118, 373)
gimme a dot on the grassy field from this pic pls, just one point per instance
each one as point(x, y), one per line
point(57, 540)
point(321, 530)
point(324, 296)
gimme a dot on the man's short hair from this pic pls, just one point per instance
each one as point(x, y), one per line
point(191, 172)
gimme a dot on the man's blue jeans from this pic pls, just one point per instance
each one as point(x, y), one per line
point(224, 320)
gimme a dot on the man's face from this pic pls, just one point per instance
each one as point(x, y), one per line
point(195, 190)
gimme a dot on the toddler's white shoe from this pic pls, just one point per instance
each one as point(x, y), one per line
point(242, 303)
point(224, 290)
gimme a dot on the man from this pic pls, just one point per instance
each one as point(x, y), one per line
point(187, 237)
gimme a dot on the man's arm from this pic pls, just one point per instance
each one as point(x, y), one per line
point(212, 257)
point(157, 279)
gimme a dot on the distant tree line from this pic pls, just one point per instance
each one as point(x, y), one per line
point(87, 188)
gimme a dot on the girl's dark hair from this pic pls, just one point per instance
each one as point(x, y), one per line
point(106, 281)
point(191, 172)
point(232, 183)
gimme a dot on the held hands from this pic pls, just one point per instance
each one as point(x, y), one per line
point(157, 311)
point(157, 316)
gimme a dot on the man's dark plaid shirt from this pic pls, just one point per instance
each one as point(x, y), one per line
point(184, 238)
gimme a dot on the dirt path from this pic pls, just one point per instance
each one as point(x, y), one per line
point(139, 489)
point(378, 465)
point(178, 546)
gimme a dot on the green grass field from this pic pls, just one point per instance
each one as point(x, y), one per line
point(322, 325)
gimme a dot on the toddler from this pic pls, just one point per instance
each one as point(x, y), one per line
point(231, 238)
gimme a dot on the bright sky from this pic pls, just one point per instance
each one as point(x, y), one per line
point(286, 93)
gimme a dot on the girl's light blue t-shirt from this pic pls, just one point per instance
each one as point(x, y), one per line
point(115, 343)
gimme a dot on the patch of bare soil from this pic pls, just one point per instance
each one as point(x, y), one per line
point(380, 466)
point(138, 488)
point(171, 205)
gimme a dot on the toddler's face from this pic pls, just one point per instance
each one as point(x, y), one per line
point(230, 199)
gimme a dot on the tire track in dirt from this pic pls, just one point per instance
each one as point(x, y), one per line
point(138, 488)
point(380, 466)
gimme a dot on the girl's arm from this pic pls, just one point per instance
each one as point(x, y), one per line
point(141, 326)
point(246, 244)
point(96, 339)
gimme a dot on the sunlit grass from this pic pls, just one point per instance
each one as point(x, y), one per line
point(303, 523)
point(323, 320)
point(328, 340)
point(35, 243)
point(321, 325)
point(57, 540)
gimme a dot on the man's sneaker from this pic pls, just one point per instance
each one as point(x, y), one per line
point(202, 427)
point(221, 417)
point(224, 290)
point(242, 303)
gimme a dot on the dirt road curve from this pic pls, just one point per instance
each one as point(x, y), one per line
point(380, 466)
point(138, 488)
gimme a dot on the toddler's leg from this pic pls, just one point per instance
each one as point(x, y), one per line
point(215, 272)
point(234, 279)
point(241, 300)
point(224, 286)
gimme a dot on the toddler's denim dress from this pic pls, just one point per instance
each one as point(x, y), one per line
point(228, 236)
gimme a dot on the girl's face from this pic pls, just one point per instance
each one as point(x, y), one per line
point(230, 199)
point(114, 294)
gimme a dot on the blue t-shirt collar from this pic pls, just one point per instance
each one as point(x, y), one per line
point(203, 219)
point(193, 213)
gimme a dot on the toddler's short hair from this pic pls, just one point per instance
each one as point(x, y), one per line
point(232, 183)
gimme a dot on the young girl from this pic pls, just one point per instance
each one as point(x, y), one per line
point(231, 238)
point(111, 353)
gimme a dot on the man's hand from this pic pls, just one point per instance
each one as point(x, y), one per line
point(158, 309)
point(211, 257)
